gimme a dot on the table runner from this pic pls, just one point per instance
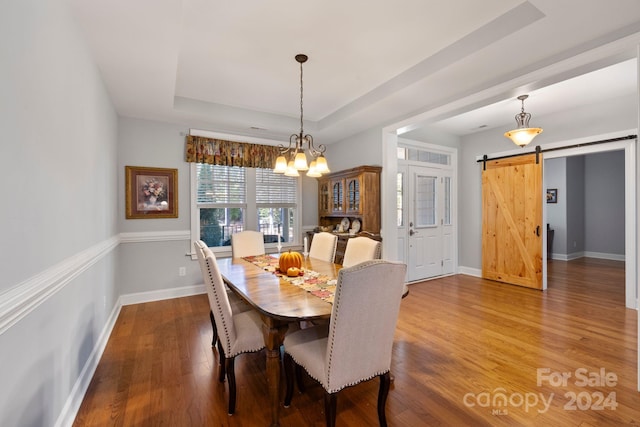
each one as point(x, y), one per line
point(319, 285)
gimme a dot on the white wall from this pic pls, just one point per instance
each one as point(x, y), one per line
point(57, 258)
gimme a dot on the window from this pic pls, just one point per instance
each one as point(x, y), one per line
point(230, 199)
point(423, 156)
point(276, 203)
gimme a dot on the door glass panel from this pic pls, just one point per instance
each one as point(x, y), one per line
point(447, 200)
point(425, 201)
point(400, 199)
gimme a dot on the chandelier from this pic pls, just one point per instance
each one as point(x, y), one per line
point(523, 134)
point(293, 158)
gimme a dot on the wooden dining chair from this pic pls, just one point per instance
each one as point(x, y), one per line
point(358, 344)
point(360, 249)
point(238, 333)
point(323, 246)
point(247, 243)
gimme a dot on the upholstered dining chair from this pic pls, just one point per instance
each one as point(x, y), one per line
point(237, 304)
point(323, 246)
point(247, 243)
point(360, 335)
point(238, 333)
point(360, 249)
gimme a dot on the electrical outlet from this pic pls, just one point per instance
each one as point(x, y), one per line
point(182, 271)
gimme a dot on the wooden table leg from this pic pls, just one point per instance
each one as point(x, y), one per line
point(273, 331)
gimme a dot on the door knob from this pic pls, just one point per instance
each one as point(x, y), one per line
point(411, 232)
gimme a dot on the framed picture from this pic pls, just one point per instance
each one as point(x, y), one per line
point(151, 192)
point(552, 195)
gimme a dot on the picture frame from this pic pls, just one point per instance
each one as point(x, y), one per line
point(552, 195)
point(151, 192)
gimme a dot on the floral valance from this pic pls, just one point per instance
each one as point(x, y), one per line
point(229, 153)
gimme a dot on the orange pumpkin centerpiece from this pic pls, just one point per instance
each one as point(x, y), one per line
point(289, 260)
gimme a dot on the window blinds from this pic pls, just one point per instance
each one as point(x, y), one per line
point(275, 189)
point(220, 184)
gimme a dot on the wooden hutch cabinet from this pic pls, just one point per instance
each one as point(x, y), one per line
point(353, 194)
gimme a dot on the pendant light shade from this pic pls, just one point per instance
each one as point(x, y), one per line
point(313, 170)
point(291, 170)
point(300, 161)
point(321, 165)
point(523, 134)
point(281, 165)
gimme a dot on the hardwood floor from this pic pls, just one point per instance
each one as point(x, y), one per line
point(461, 344)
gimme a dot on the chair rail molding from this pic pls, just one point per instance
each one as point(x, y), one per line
point(22, 299)
point(155, 236)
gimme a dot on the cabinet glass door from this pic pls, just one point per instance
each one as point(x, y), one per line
point(353, 195)
point(338, 196)
point(324, 197)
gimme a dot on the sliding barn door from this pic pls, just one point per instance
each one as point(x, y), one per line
point(512, 221)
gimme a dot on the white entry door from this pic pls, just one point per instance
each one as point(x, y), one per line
point(429, 228)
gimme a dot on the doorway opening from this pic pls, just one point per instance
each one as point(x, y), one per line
point(596, 217)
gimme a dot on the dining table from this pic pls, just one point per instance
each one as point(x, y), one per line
point(281, 301)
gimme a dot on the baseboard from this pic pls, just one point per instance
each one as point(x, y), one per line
point(585, 254)
point(162, 294)
point(601, 255)
point(72, 405)
point(470, 271)
point(567, 257)
point(74, 400)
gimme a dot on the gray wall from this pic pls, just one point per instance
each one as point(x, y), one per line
point(364, 148)
point(577, 209)
point(555, 177)
point(604, 203)
point(58, 158)
point(153, 265)
point(589, 216)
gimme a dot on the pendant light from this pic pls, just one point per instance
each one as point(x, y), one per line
point(293, 158)
point(524, 134)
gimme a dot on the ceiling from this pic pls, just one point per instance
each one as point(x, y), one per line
point(230, 67)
